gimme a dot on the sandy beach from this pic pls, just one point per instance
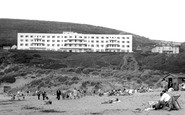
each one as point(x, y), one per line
point(90, 105)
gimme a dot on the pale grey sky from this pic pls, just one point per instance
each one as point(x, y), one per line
point(155, 19)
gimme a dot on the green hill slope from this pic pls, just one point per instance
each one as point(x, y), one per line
point(10, 27)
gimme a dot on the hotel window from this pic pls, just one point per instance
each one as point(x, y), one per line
point(43, 40)
point(65, 36)
point(97, 37)
point(92, 41)
point(92, 37)
point(128, 46)
point(127, 41)
point(85, 36)
point(21, 36)
point(58, 40)
point(43, 36)
point(92, 45)
point(106, 41)
point(127, 37)
point(21, 40)
point(48, 45)
point(26, 44)
point(123, 46)
point(101, 45)
point(58, 36)
point(53, 44)
point(53, 36)
point(31, 36)
point(70, 36)
point(80, 36)
point(123, 37)
point(61, 40)
point(97, 45)
point(53, 40)
point(21, 44)
point(102, 37)
point(118, 37)
point(58, 44)
point(48, 36)
point(107, 37)
point(97, 41)
point(48, 40)
point(123, 41)
point(26, 40)
point(101, 41)
point(26, 36)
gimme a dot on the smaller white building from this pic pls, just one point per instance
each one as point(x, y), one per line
point(166, 48)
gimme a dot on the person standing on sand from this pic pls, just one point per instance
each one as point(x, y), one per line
point(44, 95)
point(38, 94)
point(58, 94)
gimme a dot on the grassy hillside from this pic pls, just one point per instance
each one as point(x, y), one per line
point(10, 27)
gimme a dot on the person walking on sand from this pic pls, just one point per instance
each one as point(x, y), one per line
point(58, 94)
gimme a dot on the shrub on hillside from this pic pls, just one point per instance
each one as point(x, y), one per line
point(101, 63)
point(36, 55)
point(21, 57)
point(70, 69)
point(95, 73)
point(79, 69)
point(75, 79)
point(119, 74)
point(63, 79)
point(10, 69)
point(8, 79)
point(88, 70)
point(107, 73)
point(1, 73)
point(85, 84)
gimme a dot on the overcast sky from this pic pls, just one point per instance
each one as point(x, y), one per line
point(155, 19)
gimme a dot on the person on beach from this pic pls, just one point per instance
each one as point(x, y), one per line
point(38, 93)
point(166, 102)
point(44, 95)
point(48, 101)
point(58, 94)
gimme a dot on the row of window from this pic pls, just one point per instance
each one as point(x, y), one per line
point(51, 36)
point(76, 45)
point(97, 41)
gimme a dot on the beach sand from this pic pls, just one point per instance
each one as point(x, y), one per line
point(90, 105)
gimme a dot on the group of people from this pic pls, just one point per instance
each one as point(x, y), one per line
point(44, 96)
point(18, 95)
point(43, 93)
point(166, 102)
point(68, 94)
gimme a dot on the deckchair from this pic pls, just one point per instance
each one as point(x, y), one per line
point(176, 97)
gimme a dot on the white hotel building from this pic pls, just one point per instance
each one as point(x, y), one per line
point(74, 42)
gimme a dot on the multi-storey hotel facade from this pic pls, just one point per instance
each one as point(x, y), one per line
point(74, 42)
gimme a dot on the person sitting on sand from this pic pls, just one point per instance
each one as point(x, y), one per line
point(166, 101)
point(111, 101)
point(48, 102)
